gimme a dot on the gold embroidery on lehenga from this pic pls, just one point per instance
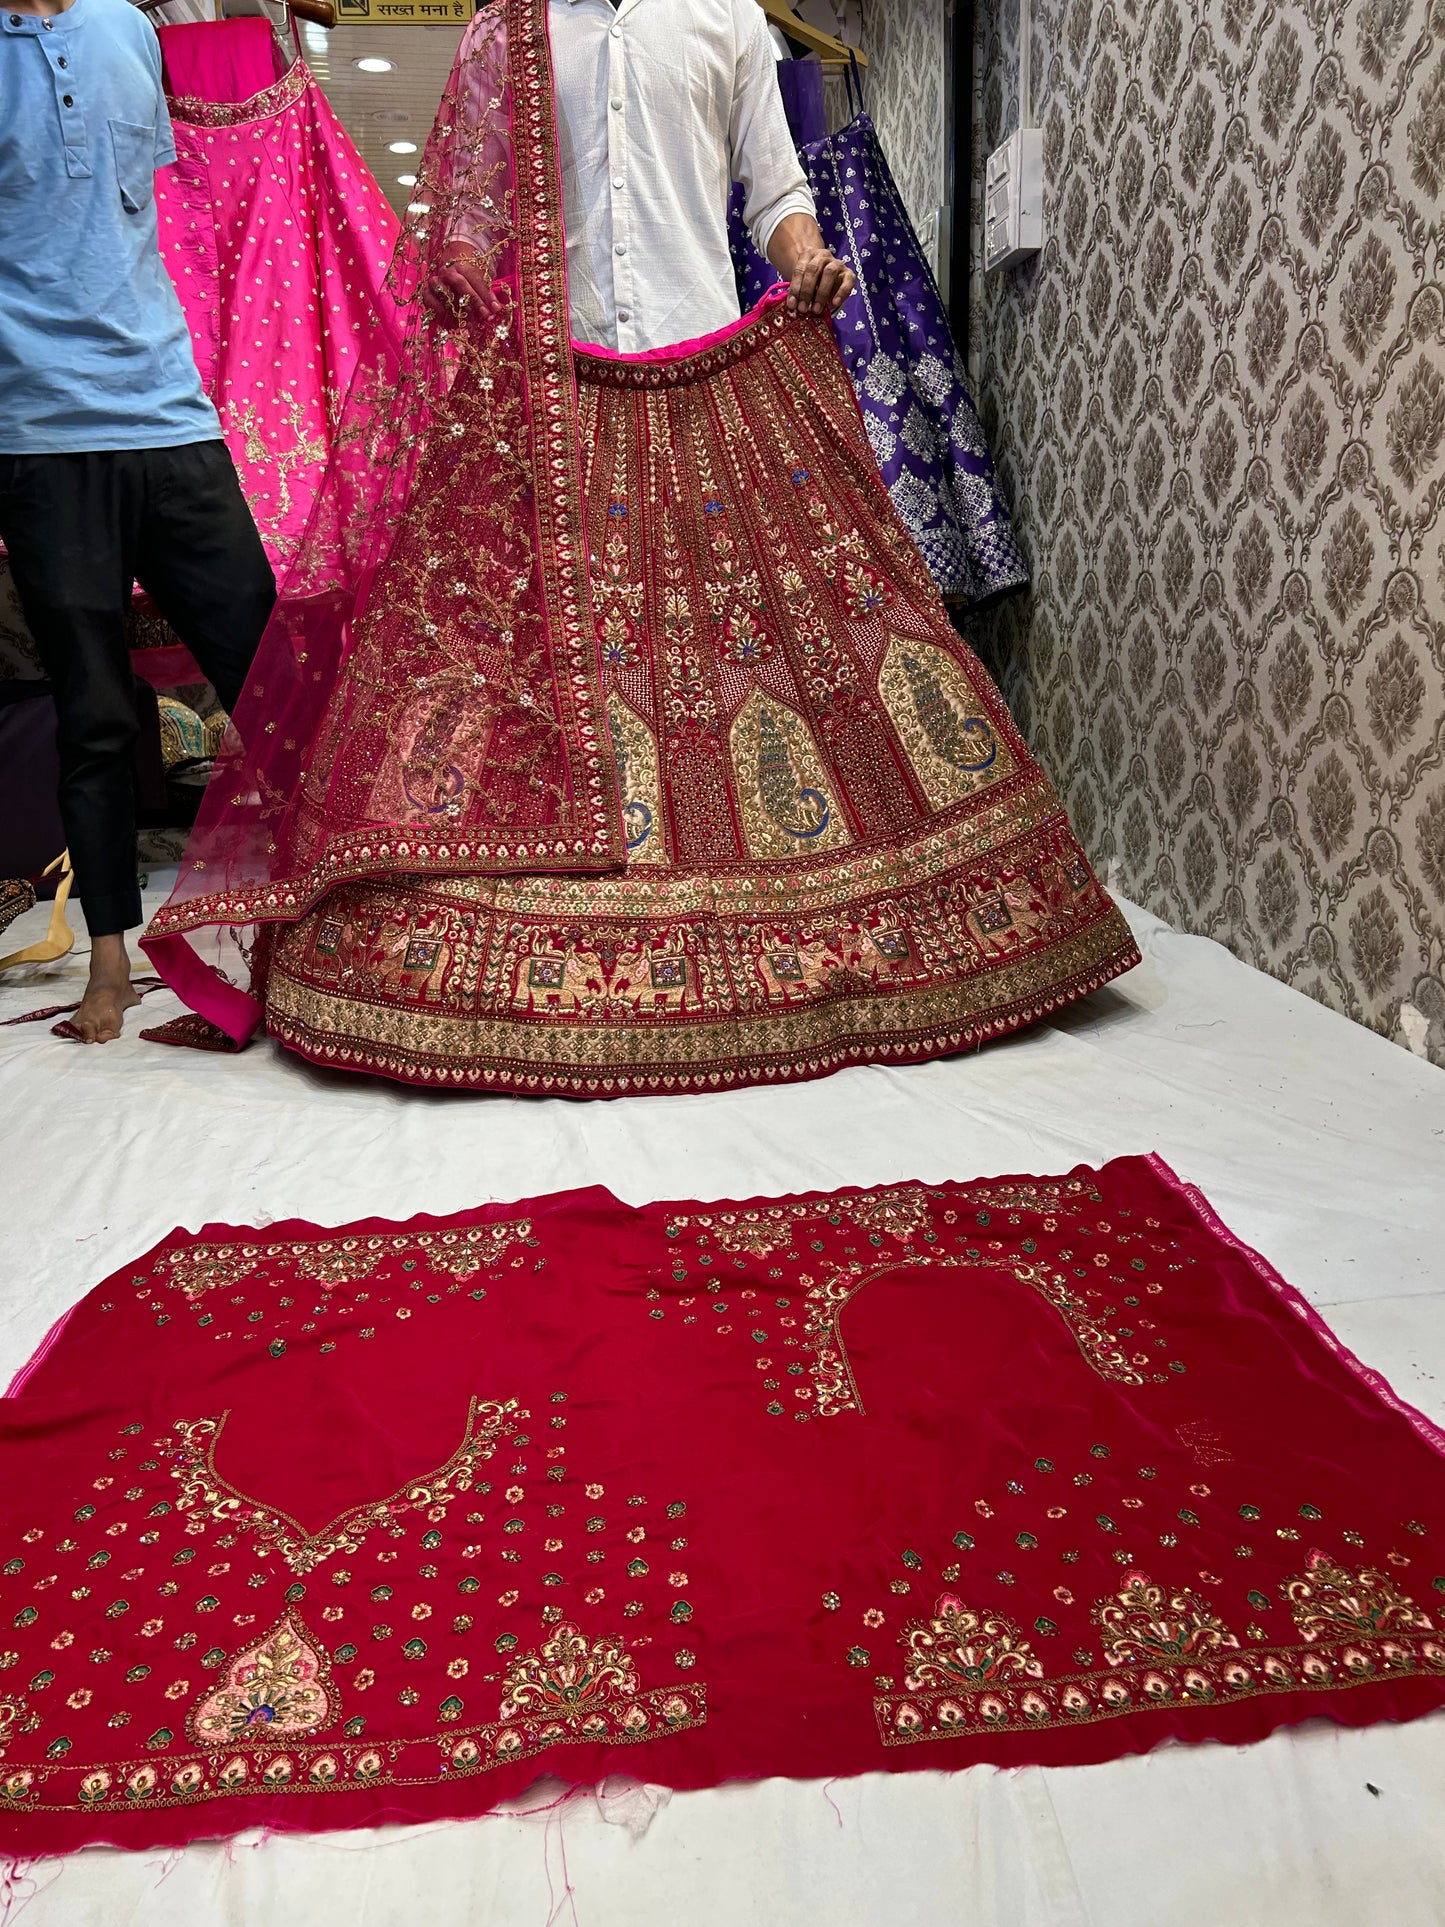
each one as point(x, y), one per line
point(634, 748)
point(298, 449)
point(787, 800)
point(820, 914)
point(953, 747)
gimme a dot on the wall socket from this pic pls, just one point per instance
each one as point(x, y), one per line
point(1013, 205)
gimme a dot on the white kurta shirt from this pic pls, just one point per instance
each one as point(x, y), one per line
point(661, 104)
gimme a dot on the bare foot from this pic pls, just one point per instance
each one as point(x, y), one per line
point(108, 995)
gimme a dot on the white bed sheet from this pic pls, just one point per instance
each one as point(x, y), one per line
point(1320, 1144)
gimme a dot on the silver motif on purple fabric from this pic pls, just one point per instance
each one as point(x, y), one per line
point(901, 357)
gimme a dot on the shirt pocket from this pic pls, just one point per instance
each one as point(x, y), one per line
point(135, 163)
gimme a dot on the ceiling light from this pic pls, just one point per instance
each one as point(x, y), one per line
point(374, 64)
point(406, 180)
point(315, 38)
point(401, 147)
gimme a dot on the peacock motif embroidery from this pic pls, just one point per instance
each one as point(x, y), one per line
point(278, 1689)
point(634, 751)
point(1328, 1601)
point(1151, 1622)
point(787, 802)
point(961, 1646)
point(945, 732)
point(570, 1676)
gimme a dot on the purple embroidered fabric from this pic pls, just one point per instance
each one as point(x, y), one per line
point(899, 350)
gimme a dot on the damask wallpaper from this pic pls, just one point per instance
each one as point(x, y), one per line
point(1217, 399)
point(907, 80)
point(904, 89)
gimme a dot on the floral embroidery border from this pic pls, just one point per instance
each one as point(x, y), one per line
point(459, 1252)
point(1086, 1698)
point(572, 1692)
point(895, 1208)
point(192, 110)
point(549, 1055)
point(973, 1671)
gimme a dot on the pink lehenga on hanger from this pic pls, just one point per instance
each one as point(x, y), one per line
point(610, 735)
point(278, 239)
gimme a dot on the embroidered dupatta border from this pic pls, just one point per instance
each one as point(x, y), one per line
point(546, 344)
point(595, 838)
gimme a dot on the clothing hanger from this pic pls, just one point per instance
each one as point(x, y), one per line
point(834, 52)
point(321, 12)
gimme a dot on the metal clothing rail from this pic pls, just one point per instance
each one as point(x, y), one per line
point(321, 12)
point(834, 52)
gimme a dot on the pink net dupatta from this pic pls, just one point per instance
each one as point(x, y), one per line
point(425, 699)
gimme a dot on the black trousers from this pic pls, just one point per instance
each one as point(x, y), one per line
point(80, 529)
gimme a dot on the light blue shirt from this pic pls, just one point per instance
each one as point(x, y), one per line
point(94, 349)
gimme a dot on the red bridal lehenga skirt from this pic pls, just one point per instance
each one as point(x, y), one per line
point(308, 1528)
point(838, 846)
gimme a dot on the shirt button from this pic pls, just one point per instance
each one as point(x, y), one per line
point(15, 19)
point(621, 248)
point(62, 62)
point(66, 101)
point(616, 101)
point(624, 314)
point(617, 181)
point(617, 33)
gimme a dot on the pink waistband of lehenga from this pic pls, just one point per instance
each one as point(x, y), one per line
point(684, 361)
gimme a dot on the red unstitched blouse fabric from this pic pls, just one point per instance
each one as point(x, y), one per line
point(307, 1528)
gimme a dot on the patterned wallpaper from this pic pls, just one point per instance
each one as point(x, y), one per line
point(906, 42)
point(907, 48)
point(1218, 402)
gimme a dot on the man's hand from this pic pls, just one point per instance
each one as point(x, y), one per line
point(459, 279)
point(818, 282)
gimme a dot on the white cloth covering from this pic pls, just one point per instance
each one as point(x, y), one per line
point(661, 104)
point(1318, 1143)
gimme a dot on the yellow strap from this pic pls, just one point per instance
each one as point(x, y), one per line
point(59, 938)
